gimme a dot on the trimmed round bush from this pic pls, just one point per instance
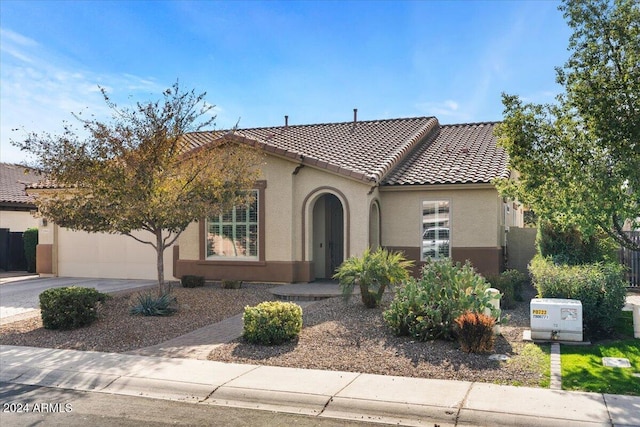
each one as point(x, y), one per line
point(69, 307)
point(272, 322)
point(190, 281)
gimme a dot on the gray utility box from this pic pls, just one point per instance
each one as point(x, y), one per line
point(556, 319)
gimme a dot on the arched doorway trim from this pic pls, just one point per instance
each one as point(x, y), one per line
point(375, 225)
point(307, 220)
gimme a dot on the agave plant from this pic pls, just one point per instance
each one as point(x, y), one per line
point(372, 273)
point(151, 305)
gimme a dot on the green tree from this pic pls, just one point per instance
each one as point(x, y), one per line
point(136, 172)
point(578, 160)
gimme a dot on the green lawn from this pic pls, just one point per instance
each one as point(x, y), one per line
point(582, 367)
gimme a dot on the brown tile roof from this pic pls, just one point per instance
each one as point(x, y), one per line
point(365, 150)
point(406, 151)
point(13, 181)
point(464, 153)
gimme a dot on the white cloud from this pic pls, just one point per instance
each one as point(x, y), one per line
point(447, 111)
point(41, 90)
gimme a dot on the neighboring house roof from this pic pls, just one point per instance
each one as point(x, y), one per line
point(402, 151)
point(13, 181)
point(454, 154)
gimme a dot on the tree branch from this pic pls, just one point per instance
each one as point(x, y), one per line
point(141, 241)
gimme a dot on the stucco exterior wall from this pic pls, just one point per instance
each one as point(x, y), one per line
point(290, 239)
point(309, 185)
point(476, 222)
point(17, 221)
point(475, 214)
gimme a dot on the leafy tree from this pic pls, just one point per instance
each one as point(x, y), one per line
point(136, 172)
point(579, 159)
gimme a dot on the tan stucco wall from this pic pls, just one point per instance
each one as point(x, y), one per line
point(288, 210)
point(280, 229)
point(311, 184)
point(17, 221)
point(475, 216)
point(189, 242)
point(81, 254)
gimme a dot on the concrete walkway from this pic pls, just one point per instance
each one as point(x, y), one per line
point(330, 394)
point(199, 343)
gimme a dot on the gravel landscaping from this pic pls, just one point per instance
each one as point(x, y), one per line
point(336, 336)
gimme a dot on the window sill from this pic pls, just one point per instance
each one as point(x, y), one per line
point(235, 263)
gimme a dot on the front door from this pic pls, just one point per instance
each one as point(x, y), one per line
point(328, 236)
point(335, 234)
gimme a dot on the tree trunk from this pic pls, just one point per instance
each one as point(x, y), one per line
point(160, 260)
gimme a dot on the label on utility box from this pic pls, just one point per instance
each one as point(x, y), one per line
point(569, 314)
point(540, 314)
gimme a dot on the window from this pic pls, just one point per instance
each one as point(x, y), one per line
point(234, 234)
point(435, 229)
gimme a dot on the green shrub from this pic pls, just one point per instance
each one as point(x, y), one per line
point(600, 287)
point(149, 304)
point(568, 245)
point(231, 284)
point(190, 281)
point(272, 322)
point(511, 285)
point(69, 307)
point(426, 308)
point(30, 241)
point(372, 273)
point(475, 332)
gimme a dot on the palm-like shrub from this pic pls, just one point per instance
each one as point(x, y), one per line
point(372, 273)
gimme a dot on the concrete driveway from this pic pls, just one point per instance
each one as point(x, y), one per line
point(19, 295)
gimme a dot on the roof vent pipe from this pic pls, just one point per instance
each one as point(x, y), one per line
point(355, 115)
point(286, 121)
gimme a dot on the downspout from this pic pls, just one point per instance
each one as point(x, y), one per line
point(54, 251)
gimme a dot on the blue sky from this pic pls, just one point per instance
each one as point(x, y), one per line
point(314, 61)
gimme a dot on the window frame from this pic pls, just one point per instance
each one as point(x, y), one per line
point(259, 187)
point(423, 230)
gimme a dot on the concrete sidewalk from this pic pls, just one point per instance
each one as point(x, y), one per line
point(331, 394)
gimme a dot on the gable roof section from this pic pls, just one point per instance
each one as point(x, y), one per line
point(13, 181)
point(391, 152)
point(455, 154)
point(364, 150)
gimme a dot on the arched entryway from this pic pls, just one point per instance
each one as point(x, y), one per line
point(328, 235)
point(374, 226)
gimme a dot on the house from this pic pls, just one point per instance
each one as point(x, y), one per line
point(16, 213)
point(327, 192)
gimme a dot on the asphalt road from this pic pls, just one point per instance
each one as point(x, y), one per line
point(24, 405)
point(20, 296)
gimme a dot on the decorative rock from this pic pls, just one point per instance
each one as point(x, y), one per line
point(500, 357)
point(616, 362)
